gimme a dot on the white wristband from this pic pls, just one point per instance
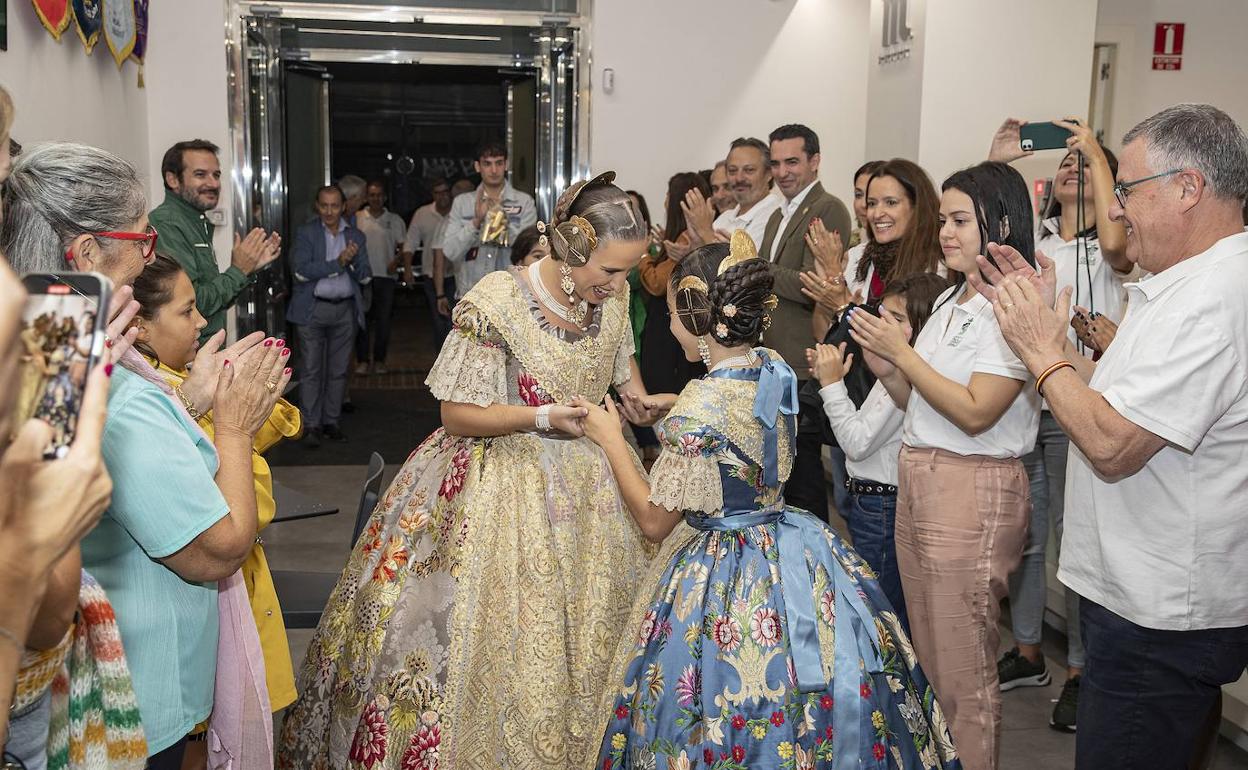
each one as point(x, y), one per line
point(542, 421)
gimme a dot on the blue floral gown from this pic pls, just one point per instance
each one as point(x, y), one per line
point(766, 642)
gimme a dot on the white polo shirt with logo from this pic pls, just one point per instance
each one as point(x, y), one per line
point(1167, 547)
point(960, 341)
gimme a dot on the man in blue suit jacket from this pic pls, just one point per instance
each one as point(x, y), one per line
point(328, 263)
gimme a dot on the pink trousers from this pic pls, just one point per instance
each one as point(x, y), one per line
point(961, 528)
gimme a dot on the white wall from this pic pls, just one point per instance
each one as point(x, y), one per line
point(986, 60)
point(61, 94)
point(1214, 58)
point(895, 89)
point(187, 93)
point(692, 75)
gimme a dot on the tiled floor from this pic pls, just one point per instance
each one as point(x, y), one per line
point(321, 545)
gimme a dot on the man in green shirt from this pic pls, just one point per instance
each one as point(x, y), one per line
point(192, 177)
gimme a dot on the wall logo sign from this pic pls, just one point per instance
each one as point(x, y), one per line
point(896, 36)
point(1168, 46)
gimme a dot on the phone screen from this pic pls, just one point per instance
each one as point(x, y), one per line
point(62, 335)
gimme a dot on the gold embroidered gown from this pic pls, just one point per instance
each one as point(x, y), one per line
point(477, 616)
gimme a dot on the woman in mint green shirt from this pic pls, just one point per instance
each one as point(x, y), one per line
point(183, 515)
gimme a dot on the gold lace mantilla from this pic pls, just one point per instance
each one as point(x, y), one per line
point(727, 406)
point(497, 311)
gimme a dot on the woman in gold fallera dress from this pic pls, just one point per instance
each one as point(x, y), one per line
point(478, 613)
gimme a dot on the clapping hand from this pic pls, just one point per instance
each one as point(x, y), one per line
point(827, 247)
point(348, 254)
point(829, 363)
point(880, 334)
point(829, 293)
point(1010, 264)
point(249, 386)
point(200, 386)
point(699, 216)
point(1094, 330)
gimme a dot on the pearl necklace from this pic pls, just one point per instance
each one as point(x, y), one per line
point(747, 359)
point(548, 300)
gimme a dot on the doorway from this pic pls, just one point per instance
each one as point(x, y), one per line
point(320, 90)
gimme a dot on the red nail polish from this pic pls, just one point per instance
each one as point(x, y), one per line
point(108, 370)
point(287, 370)
point(108, 343)
point(227, 362)
point(281, 343)
point(285, 351)
point(268, 343)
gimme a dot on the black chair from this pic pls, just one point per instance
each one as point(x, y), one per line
point(303, 594)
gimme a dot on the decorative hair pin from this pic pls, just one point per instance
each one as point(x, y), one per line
point(740, 249)
point(541, 229)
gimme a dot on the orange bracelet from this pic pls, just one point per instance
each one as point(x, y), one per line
point(1057, 367)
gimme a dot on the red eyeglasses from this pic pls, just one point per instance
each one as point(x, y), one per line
point(147, 238)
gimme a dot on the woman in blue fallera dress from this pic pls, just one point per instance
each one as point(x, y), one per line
point(760, 639)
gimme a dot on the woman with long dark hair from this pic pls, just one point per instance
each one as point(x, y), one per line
point(663, 366)
point(963, 498)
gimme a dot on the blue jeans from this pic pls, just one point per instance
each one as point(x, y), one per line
point(28, 733)
point(1146, 694)
point(840, 493)
point(1046, 471)
point(871, 520)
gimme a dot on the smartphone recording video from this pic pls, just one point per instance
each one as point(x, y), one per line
point(62, 335)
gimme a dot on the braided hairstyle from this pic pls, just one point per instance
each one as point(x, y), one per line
point(589, 213)
point(744, 290)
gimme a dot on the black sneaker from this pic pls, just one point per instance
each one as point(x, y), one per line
point(333, 433)
point(312, 438)
point(1016, 671)
point(1063, 719)
point(347, 407)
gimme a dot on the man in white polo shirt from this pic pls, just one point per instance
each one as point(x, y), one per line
point(1156, 534)
point(749, 178)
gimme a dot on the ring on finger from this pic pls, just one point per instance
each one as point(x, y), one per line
point(271, 385)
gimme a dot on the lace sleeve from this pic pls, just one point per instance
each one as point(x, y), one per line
point(683, 483)
point(472, 367)
point(623, 358)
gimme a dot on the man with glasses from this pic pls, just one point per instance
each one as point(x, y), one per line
point(1156, 540)
point(192, 176)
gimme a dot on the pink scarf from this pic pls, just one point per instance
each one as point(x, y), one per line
point(240, 730)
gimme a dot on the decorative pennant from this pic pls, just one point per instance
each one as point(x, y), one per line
point(140, 36)
point(54, 14)
point(89, 21)
point(119, 28)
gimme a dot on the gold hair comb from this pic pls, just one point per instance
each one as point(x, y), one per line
point(741, 249)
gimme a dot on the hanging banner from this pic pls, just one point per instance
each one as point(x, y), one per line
point(54, 14)
point(140, 36)
point(119, 28)
point(87, 17)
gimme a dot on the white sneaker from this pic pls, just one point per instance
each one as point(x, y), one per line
point(361, 369)
point(380, 369)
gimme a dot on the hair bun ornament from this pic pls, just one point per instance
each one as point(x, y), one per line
point(564, 205)
point(740, 249)
point(582, 225)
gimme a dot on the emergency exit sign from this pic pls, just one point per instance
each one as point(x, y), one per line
point(1168, 46)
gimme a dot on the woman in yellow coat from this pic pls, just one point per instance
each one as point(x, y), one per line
point(169, 327)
